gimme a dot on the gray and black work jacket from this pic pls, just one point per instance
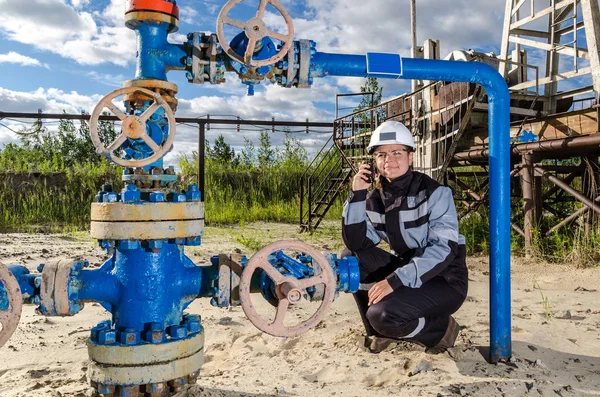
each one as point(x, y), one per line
point(416, 216)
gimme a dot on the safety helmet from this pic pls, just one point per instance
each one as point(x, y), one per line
point(391, 133)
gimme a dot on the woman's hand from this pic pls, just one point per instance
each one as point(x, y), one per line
point(361, 179)
point(379, 291)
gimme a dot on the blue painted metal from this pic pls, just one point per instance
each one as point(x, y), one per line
point(265, 48)
point(499, 159)
point(525, 137)
point(346, 272)
point(324, 64)
point(4, 302)
point(28, 283)
point(156, 128)
point(140, 287)
point(155, 54)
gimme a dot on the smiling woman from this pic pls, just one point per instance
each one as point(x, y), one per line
point(410, 292)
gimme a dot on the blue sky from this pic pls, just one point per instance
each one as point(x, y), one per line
point(67, 54)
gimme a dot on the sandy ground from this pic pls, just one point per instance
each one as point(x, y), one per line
point(552, 356)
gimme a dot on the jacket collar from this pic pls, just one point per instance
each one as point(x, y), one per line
point(398, 186)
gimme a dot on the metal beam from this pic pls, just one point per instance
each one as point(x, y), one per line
point(574, 93)
point(502, 66)
point(540, 14)
point(591, 17)
point(189, 120)
point(570, 218)
point(552, 79)
point(559, 182)
point(561, 49)
point(517, 7)
point(532, 33)
point(569, 29)
point(513, 110)
point(554, 145)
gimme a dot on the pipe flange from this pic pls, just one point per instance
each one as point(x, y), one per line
point(146, 230)
point(54, 291)
point(166, 89)
point(125, 212)
point(146, 354)
point(170, 88)
point(147, 373)
point(133, 18)
point(162, 6)
point(10, 310)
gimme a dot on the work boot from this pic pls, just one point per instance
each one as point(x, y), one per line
point(448, 340)
point(380, 343)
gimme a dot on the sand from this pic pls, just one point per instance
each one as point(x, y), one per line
point(556, 346)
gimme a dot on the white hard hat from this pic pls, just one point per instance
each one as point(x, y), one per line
point(391, 133)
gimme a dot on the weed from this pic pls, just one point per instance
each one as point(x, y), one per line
point(545, 300)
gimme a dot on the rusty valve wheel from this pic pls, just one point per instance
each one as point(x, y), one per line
point(132, 126)
point(255, 29)
point(11, 313)
point(289, 289)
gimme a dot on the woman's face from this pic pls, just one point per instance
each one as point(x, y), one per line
point(393, 161)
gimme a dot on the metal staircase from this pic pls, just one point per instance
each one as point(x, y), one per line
point(321, 184)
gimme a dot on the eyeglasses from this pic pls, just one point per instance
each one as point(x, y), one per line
point(394, 154)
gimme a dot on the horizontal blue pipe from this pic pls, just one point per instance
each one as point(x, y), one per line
point(98, 286)
point(499, 159)
point(325, 64)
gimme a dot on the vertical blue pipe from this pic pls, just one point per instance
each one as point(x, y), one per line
point(392, 66)
point(499, 160)
point(155, 55)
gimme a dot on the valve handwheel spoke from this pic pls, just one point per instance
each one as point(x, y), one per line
point(260, 13)
point(133, 127)
point(234, 22)
point(116, 111)
point(150, 111)
point(289, 290)
point(309, 282)
point(116, 143)
point(255, 29)
point(272, 272)
point(281, 312)
point(9, 317)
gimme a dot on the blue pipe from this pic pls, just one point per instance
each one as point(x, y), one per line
point(393, 66)
point(155, 55)
point(141, 287)
point(325, 64)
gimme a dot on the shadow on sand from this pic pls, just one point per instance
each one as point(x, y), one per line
point(199, 391)
point(533, 370)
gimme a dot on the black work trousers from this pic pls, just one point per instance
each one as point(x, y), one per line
point(418, 314)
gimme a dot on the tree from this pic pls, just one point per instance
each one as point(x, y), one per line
point(222, 152)
point(293, 153)
point(266, 154)
point(371, 85)
point(247, 157)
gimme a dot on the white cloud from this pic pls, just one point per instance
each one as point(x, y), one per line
point(51, 100)
point(14, 57)
point(107, 79)
point(54, 26)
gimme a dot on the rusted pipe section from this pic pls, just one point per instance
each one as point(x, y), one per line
point(527, 182)
point(552, 145)
point(517, 229)
point(559, 182)
point(570, 218)
point(555, 188)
